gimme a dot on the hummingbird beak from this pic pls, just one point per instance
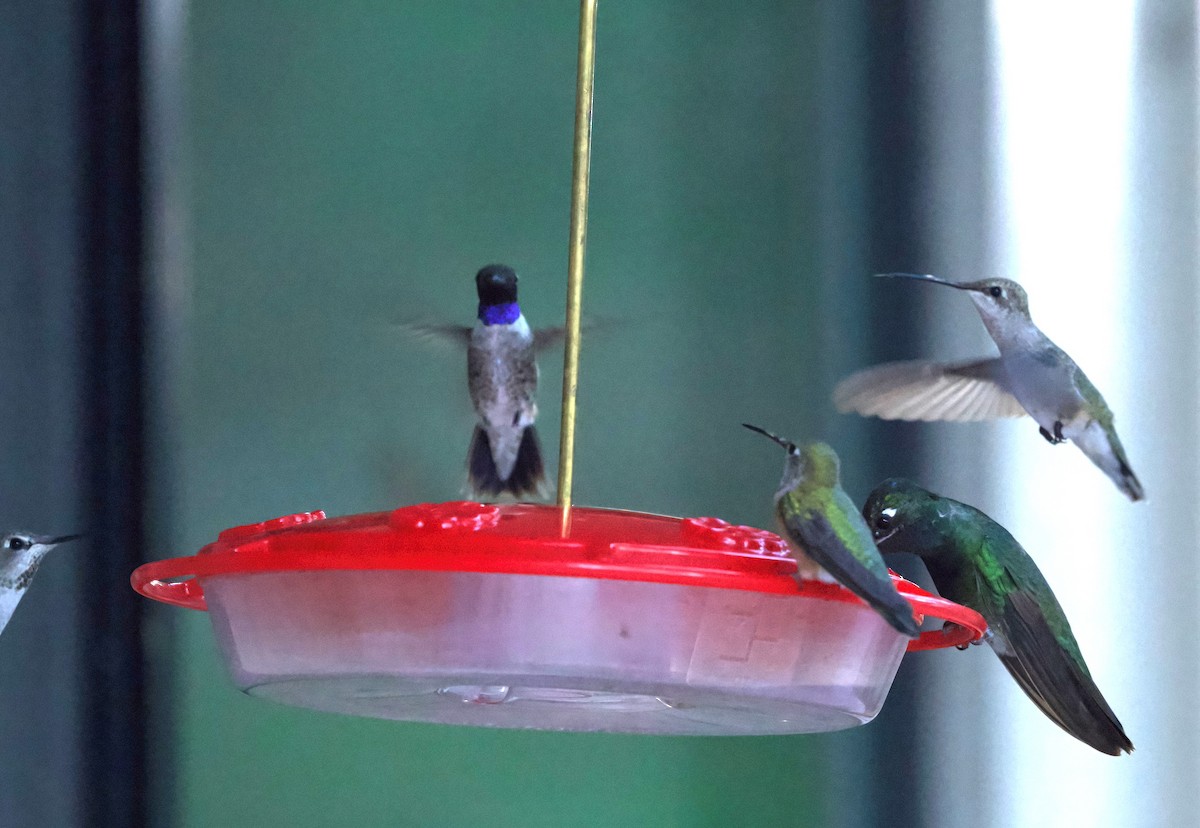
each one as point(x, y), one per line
point(886, 536)
point(788, 445)
point(54, 541)
point(921, 278)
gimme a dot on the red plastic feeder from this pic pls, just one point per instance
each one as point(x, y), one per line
point(476, 614)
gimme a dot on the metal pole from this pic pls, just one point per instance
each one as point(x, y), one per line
point(581, 170)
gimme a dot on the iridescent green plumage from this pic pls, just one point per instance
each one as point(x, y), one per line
point(975, 561)
point(821, 523)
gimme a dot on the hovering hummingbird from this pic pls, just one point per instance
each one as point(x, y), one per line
point(1032, 375)
point(502, 377)
point(20, 556)
point(824, 530)
point(974, 561)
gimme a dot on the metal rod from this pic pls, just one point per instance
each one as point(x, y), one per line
point(580, 172)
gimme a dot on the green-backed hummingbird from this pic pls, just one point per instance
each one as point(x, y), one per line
point(20, 556)
point(1032, 375)
point(825, 531)
point(975, 562)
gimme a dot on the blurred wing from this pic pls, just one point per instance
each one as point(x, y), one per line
point(1053, 679)
point(452, 335)
point(923, 390)
point(861, 571)
point(544, 338)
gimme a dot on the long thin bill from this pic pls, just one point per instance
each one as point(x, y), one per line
point(787, 444)
point(920, 277)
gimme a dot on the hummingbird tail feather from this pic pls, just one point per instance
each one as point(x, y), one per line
point(882, 597)
point(482, 478)
point(528, 475)
point(1103, 447)
point(876, 589)
point(1051, 677)
point(1129, 484)
point(526, 479)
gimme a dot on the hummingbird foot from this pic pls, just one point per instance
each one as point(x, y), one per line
point(1055, 438)
point(983, 639)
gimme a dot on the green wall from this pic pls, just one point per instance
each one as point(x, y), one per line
point(351, 165)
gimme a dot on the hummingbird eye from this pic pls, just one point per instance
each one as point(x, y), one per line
point(883, 521)
point(17, 544)
point(996, 292)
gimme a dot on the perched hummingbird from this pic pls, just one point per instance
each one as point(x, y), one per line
point(974, 561)
point(1032, 375)
point(502, 377)
point(20, 557)
point(824, 530)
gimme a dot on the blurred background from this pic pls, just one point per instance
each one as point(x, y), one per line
point(212, 216)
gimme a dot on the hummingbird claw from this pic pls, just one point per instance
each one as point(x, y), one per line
point(983, 639)
point(1055, 438)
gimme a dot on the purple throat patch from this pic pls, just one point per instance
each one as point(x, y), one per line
point(504, 314)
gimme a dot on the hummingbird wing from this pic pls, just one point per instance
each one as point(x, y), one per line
point(544, 338)
point(1054, 676)
point(457, 335)
point(856, 565)
point(925, 390)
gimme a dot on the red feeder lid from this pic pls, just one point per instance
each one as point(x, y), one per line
point(526, 539)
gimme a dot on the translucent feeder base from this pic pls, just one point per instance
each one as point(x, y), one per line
point(554, 653)
point(549, 703)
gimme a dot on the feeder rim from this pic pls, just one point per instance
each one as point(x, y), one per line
point(467, 537)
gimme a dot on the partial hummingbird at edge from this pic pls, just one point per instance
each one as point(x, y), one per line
point(974, 561)
point(20, 556)
point(825, 531)
point(1031, 375)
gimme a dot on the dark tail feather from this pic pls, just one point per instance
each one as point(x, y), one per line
point(894, 608)
point(527, 477)
point(897, 611)
point(821, 543)
point(1129, 482)
point(481, 468)
point(880, 594)
point(1055, 682)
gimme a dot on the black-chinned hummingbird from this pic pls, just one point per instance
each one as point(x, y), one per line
point(975, 561)
point(1032, 375)
point(502, 377)
point(824, 529)
point(20, 556)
